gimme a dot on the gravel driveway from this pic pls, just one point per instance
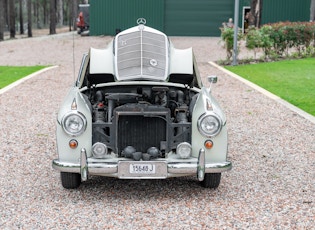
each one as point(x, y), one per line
point(271, 185)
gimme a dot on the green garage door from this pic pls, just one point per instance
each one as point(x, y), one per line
point(108, 16)
point(196, 17)
point(174, 17)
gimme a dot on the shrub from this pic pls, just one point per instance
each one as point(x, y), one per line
point(287, 35)
point(227, 35)
point(277, 35)
point(253, 39)
point(266, 41)
point(277, 40)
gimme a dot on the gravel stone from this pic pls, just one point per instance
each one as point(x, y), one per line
point(271, 185)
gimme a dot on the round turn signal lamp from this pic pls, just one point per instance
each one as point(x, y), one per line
point(73, 144)
point(208, 144)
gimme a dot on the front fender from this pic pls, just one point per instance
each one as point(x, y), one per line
point(218, 153)
point(74, 101)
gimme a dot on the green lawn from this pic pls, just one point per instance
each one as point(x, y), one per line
point(10, 74)
point(292, 80)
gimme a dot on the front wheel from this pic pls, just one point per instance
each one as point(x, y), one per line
point(211, 180)
point(70, 180)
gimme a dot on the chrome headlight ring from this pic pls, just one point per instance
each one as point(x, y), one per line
point(209, 124)
point(74, 123)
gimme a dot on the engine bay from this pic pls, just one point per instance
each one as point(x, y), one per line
point(103, 101)
point(144, 117)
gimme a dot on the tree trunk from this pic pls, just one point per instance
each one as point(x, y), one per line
point(70, 9)
point(29, 18)
point(21, 17)
point(1, 20)
point(255, 12)
point(52, 28)
point(45, 12)
point(6, 15)
point(60, 12)
point(74, 14)
point(312, 15)
point(12, 18)
point(35, 7)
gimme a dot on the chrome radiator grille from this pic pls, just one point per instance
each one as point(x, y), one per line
point(141, 54)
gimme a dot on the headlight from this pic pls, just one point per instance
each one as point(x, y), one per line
point(74, 124)
point(209, 125)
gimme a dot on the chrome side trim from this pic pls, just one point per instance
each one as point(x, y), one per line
point(191, 168)
point(83, 165)
point(218, 167)
point(100, 169)
point(65, 166)
point(201, 165)
point(93, 168)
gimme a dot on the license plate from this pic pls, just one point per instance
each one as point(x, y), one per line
point(142, 168)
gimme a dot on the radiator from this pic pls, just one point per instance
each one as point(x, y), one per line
point(140, 132)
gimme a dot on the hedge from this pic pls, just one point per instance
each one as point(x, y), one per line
point(276, 40)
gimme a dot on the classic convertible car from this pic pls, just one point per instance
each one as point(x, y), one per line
point(139, 110)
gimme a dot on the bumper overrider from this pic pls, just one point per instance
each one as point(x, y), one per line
point(157, 169)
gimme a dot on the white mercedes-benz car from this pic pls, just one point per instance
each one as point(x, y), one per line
point(139, 110)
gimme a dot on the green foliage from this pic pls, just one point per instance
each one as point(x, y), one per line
point(227, 35)
point(10, 74)
point(284, 36)
point(266, 41)
point(309, 52)
point(259, 38)
point(277, 40)
point(253, 39)
point(292, 80)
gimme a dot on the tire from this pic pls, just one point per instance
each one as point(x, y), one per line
point(70, 180)
point(211, 180)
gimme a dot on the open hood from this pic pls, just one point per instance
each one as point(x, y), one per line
point(140, 53)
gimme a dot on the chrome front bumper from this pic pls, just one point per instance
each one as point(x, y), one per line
point(111, 169)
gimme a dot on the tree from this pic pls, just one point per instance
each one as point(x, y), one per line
point(312, 15)
point(45, 11)
point(1, 20)
point(255, 12)
point(60, 12)
point(52, 28)
point(29, 18)
point(74, 14)
point(21, 17)
point(12, 18)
